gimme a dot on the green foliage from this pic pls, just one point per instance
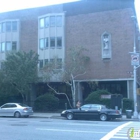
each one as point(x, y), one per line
point(20, 70)
point(46, 102)
point(128, 104)
point(76, 62)
point(95, 98)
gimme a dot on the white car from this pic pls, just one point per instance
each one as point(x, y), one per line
point(16, 109)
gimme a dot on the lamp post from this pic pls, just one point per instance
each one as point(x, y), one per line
point(135, 64)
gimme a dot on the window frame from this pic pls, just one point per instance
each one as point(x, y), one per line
point(8, 26)
point(12, 46)
point(54, 42)
point(57, 42)
point(43, 41)
point(52, 21)
point(59, 20)
point(41, 24)
point(14, 27)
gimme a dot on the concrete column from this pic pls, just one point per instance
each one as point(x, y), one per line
point(79, 92)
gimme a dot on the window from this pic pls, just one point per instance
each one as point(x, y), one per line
point(41, 43)
point(0, 28)
point(59, 63)
point(59, 41)
point(46, 62)
point(41, 64)
point(3, 27)
point(14, 46)
point(8, 46)
point(14, 25)
point(2, 65)
point(46, 42)
point(52, 21)
point(52, 42)
point(8, 26)
point(3, 47)
point(59, 21)
point(47, 22)
point(41, 23)
point(51, 60)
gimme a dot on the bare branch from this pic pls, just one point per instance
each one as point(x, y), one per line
point(80, 74)
point(60, 93)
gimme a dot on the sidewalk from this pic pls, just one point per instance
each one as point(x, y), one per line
point(58, 116)
point(46, 115)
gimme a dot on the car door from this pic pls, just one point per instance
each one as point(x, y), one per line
point(84, 111)
point(11, 109)
point(94, 111)
point(3, 110)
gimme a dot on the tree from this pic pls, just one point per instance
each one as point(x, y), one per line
point(20, 70)
point(75, 65)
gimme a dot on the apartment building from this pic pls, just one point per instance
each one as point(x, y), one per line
point(105, 27)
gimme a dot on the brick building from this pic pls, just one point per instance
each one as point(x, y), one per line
point(105, 27)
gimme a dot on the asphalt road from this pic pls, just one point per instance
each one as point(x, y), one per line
point(61, 129)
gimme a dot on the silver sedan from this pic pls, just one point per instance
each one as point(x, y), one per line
point(15, 109)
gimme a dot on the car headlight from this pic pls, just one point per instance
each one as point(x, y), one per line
point(63, 112)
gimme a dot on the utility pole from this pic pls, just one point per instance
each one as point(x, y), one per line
point(135, 63)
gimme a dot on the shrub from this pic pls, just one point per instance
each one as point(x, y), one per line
point(95, 98)
point(46, 102)
point(128, 104)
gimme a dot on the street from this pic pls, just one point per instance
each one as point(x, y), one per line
point(61, 129)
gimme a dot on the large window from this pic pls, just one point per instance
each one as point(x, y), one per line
point(14, 25)
point(46, 42)
point(41, 23)
point(41, 64)
point(3, 27)
point(14, 46)
point(46, 62)
point(3, 47)
point(59, 21)
point(41, 43)
point(0, 27)
point(52, 21)
point(59, 42)
point(8, 46)
point(52, 42)
point(59, 63)
point(47, 22)
point(8, 26)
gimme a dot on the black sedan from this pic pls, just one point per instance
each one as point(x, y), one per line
point(92, 111)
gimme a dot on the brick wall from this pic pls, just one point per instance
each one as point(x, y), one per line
point(86, 30)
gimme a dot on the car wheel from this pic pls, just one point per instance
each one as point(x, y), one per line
point(69, 116)
point(103, 117)
point(17, 115)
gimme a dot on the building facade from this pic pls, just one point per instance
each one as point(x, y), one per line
point(105, 27)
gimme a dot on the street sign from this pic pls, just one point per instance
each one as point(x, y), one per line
point(135, 59)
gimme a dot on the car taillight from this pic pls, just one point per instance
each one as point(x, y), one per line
point(117, 111)
point(25, 109)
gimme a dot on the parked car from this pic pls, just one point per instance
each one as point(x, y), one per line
point(92, 111)
point(15, 109)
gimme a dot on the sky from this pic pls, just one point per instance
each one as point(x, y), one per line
point(137, 8)
point(9, 5)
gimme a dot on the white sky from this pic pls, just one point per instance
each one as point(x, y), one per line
point(137, 7)
point(9, 5)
